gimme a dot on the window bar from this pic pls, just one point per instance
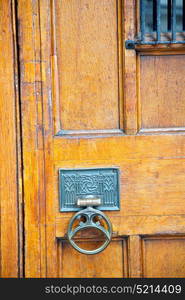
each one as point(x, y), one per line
point(154, 15)
point(183, 16)
point(169, 15)
point(142, 10)
point(173, 20)
point(158, 8)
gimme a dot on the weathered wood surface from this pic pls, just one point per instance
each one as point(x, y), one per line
point(54, 81)
point(9, 173)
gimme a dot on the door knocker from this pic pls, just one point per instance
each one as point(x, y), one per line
point(89, 217)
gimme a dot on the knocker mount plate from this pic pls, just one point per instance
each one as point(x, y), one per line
point(77, 183)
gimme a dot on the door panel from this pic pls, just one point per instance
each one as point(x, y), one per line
point(93, 266)
point(87, 102)
point(161, 92)
point(169, 253)
point(90, 82)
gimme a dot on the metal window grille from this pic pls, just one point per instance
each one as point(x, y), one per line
point(161, 22)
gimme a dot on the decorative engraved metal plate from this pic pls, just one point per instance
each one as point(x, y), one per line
point(76, 183)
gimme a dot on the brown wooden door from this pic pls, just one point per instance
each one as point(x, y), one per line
point(87, 102)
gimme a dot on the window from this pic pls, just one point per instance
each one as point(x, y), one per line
point(161, 21)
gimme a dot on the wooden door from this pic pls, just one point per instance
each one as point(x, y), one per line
point(87, 102)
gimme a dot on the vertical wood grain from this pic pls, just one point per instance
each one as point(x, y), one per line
point(130, 69)
point(8, 149)
point(46, 51)
point(120, 25)
point(18, 143)
point(31, 107)
point(135, 256)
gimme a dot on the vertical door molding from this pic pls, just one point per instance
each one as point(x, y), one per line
point(10, 172)
point(32, 137)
